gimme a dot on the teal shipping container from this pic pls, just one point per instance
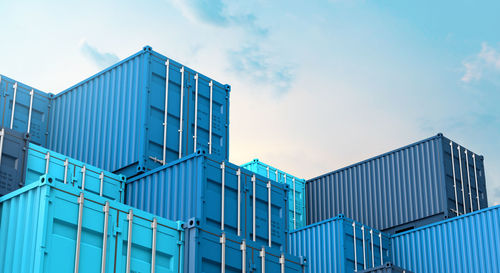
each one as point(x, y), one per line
point(52, 227)
point(296, 195)
point(25, 109)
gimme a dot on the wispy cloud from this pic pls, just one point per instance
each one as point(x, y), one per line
point(101, 59)
point(486, 60)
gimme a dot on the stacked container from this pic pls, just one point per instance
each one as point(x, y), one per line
point(428, 181)
point(296, 196)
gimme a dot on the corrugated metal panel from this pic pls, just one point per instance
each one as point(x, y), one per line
point(39, 233)
point(330, 246)
point(469, 243)
point(76, 173)
point(13, 146)
point(115, 119)
point(192, 187)
point(387, 268)
point(402, 189)
point(33, 120)
point(214, 252)
point(297, 208)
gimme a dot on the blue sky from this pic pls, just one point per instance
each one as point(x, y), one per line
point(315, 86)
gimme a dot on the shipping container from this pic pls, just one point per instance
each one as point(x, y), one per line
point(468, 243)
point(52, 227)
point(387, 268)
point(340, 245)
point(220, 194)
point(13, 147)
point(66, 170)
point(209, 251)
point(296, 195)
point(127, 119)
point(25, 109)
point(425, 182)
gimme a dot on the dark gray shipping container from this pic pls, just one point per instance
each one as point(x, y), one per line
point(13, 148)
point(403, 189)
point(387, 268)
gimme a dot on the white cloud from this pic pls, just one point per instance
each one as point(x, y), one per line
point(487, 59)
point(100, 59)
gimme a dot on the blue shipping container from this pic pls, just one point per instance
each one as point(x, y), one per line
point(52, 227)
point(116, 119)
point(13, 146)
point(25, 109)
point(209, 251)
point(340, 245)
point(469, 243)
point(220, 195)
point(296, 195)
point(425, 182)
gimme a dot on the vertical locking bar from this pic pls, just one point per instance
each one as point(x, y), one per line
point(101, 178)
point(2, 134)
point(154, 226)
point(211, 84)
point(47, 161)
point(462, 179)
point(262, 255)
point(165, 115)
point(355, 247)
point(13, 106)
point(475, 177)
point(181, 112)
point(454, 178)
point(269, 212)
point(130, 217)
point(195, 135)
point(32, 93)
point(105, 237)
point(364, 250)
point(276, 175)
point(79, 232)
point(468, 180)
point(253, 207)
point(381, 249)
point(267, 169)
point(294, 206)
point(84, 171)
point(373, 253)
point(282, 262)
point(243, 248)
point(223, 253)
point(223, 168)
point(238, 174)
point(66, 165)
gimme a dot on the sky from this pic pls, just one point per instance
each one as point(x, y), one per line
point(316, 85)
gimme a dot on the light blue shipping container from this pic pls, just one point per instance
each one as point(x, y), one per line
point(127, 119)
point(52, 227)
point(296, 195)
point(468, 243)
point(25, 109)
point(209, 251)
point(340, 245)
point(66, 170)
point(220, 195)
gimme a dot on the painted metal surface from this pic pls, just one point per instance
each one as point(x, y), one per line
point(296, 195)
point(410, 187)
point(468, 243)
point(116, 119)
point(210, 251)
point(387, 268)
point(52, 227)
point(69, 171)
point(25, 109)
point(13, 146)
point(220, 195)
point(340, 245)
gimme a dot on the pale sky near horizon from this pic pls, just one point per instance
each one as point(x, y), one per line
point(315, 86)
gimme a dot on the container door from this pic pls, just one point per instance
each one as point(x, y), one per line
point(13, 160)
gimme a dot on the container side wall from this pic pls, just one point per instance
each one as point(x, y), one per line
point(388, 268)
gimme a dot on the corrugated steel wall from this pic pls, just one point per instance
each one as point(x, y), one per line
point(469, 243)
point(387, 268)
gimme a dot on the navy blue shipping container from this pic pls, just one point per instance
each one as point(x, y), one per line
point(340, 245)
point(13, 148)
point(25, 109)
point(425, 182)
point(209, 251)
point(127, 119)
point(220, 195)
